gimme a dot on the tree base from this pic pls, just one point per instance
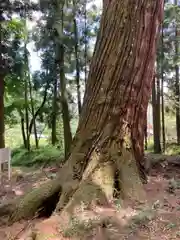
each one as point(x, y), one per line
point(75, 201)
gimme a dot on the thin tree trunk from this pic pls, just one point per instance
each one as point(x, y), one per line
point(39, 110)
point(26, 114)
point(65, 109)
point(2, 127)
point(158, 107)
point(33, 112)
point(177, 86)
point(85, 41)
point(146, 135)
point(162, 91)
point(156, 116)
point(23, 133)
point(76, 49)
point(64, 101)
point(54, 113)
point(109, 142)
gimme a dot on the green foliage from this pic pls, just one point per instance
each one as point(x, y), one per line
point(36, 157)
point(172, 149)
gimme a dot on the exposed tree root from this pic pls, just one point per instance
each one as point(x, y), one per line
point(97, 188)
point(70, 199)
point(35, 201)
point(131, 186)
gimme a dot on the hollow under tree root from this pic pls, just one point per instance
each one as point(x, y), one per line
point(33, 202)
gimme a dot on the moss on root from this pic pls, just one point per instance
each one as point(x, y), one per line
point(34, 201)
point(130, 184)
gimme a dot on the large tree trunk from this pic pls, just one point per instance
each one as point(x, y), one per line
point(107, 151)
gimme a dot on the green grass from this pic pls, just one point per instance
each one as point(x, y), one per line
point(21, 157)
point(36, 157)
point(172, 149)
point(46, 152)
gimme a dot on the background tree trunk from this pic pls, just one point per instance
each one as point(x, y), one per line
point(85, 41)
point(156, 116)
point(64, 101)
point(2, 127)
point(54, 113)
point(162, 92)
point(26, 99)
point(23, 132)
point(146, 135)
point(32, 111)
point(76, 50)
point(177, 87)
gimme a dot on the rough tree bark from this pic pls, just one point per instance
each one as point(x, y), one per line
point(107, 149)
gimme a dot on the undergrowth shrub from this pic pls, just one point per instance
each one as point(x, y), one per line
point(47, 154)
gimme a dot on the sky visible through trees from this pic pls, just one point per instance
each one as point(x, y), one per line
point(34, 58)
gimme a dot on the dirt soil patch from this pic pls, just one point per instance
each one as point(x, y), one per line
point(157, 218)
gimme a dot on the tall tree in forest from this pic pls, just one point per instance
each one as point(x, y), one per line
point(85, 40)
point(60, 59)
point(9, 34)
point(177, 83)
point(108, 145)
point(156, 113)
point(76, 50)
point(2, 127)
point(54, 110)
point(162, 91)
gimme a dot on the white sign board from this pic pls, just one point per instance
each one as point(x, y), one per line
point(5, 157)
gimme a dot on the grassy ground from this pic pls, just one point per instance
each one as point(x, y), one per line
point(43, 155)
point(46, 152)
point(21, 157)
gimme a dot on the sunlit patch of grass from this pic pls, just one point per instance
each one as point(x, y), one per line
point(13, 138)
point(172, 149)
point(48, 154)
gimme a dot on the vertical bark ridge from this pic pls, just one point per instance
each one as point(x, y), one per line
point(121, 74)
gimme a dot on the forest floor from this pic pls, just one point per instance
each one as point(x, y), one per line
point(157, 218)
